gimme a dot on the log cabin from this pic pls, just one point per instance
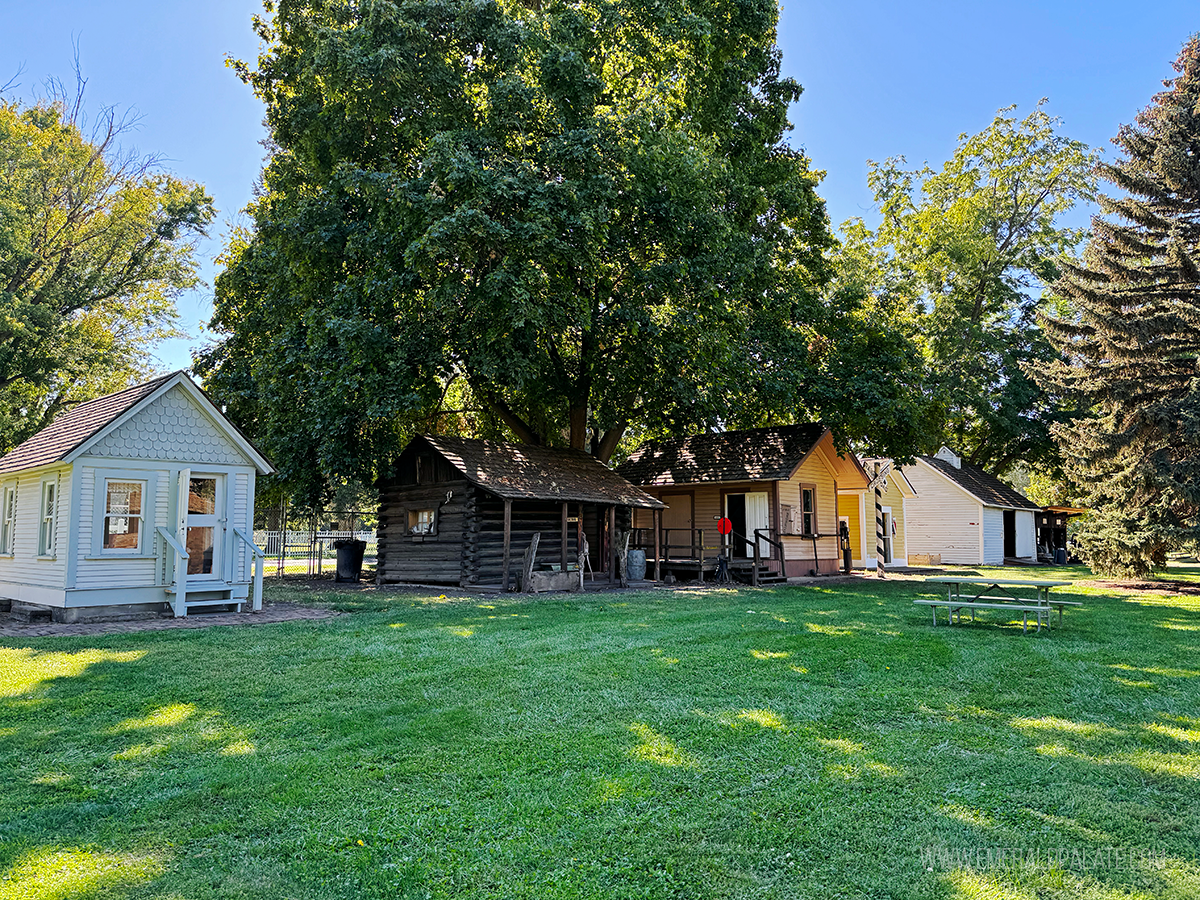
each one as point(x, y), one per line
point(778, 486)
point(464, 511)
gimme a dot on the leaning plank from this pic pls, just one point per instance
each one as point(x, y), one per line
point(527, 564)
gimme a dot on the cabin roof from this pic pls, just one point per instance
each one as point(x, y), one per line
point(988, 489)
point(753, 454)
point(72, 431)
point(526, 472)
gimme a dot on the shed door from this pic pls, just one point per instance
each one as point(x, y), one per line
point(205, 525)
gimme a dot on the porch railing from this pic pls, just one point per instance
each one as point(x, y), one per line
point(258, 560)
point(177, 569)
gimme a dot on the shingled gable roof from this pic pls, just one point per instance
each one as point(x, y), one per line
point(987, 489)
point(77, 427)
point(754, 454)
point(527, 472)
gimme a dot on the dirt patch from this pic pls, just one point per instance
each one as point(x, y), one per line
point(270, 614)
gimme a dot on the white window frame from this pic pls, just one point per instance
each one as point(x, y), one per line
point(8, 519)
point(48, 520)
point(102, 513)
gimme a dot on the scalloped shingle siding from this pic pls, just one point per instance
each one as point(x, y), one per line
point(171, 427)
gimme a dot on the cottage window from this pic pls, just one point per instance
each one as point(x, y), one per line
point(808, 510)
point(420, 521)
point(49, 518)
point(8, 527)
point(123, 515)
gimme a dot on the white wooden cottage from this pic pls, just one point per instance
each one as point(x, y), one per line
point(140, 500)
point(966, 516)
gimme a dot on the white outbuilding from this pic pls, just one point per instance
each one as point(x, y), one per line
point(966, 516)
point(139, 501)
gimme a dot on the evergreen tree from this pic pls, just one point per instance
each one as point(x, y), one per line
point(1132, 347)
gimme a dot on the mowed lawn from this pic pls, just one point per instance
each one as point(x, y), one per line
point(821, 741)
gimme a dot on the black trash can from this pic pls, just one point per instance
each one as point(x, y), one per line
point(1060, 556)
point(349, 560)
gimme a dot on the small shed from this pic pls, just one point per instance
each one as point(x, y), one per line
point(463, 511)
point(778, 487)
point(966, 515)
point(138, 501)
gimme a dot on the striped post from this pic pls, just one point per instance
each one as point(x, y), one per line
point(878, 523)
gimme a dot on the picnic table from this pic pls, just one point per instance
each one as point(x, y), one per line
point(974, 592)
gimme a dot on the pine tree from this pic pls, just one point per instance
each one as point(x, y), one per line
point(1131, 346)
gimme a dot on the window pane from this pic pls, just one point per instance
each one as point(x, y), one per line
point(121, 532)
point(202, 496)
point(49, 509)
point(124, 497)
point(200, 551)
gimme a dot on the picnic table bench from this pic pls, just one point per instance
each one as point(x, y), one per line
point(998, 593)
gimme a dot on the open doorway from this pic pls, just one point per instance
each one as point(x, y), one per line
point(747, 513)
point(1010, 533)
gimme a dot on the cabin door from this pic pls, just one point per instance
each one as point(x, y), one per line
point(205, 526)
point(677, 526)
point(746, 512)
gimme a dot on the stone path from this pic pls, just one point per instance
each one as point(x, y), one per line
point(268, 615)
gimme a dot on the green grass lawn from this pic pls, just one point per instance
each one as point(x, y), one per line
point(821, 741)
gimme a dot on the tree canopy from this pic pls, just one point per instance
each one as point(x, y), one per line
point(575, 222)
point(1132, 342)
point(95, 243)
point(960, 257)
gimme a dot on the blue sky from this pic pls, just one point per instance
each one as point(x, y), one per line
point(880, 79)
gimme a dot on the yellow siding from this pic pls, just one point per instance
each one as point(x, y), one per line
point(817, 472)
point(893, 498)
point(848, 506)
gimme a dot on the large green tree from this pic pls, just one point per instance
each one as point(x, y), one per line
point(1133, 347)
point(579, 221)
point(95, 243)
point(961, 255)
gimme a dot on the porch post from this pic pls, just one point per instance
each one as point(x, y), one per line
point(656, 520)
point(563, 555)
point(507, 541)
point(612, 544)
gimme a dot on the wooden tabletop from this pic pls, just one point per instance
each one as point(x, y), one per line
point(1015, 582)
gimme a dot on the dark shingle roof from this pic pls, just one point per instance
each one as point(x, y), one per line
point(755, 454)
point(76, 426)
point(988, 488)
point(526, 472)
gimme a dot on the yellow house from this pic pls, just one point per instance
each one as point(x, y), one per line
point(857, 509)
point(778, 487)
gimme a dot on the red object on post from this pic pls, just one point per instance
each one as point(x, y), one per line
point(725, 526)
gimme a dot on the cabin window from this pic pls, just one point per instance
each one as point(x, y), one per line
point(49, 518)
point(8, 527)
point(808, 509)
point(421, 521)
point(123, 515)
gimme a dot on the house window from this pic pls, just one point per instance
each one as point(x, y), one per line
point(8, 526)
point(49, 518)
point(420, 521)
point(808, 510)
point(123, 515)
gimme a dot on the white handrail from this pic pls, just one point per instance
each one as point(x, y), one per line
point(259, 558)
point(178, 581)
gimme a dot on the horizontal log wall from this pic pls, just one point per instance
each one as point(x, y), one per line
point(435, 558)
point(483, 541)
